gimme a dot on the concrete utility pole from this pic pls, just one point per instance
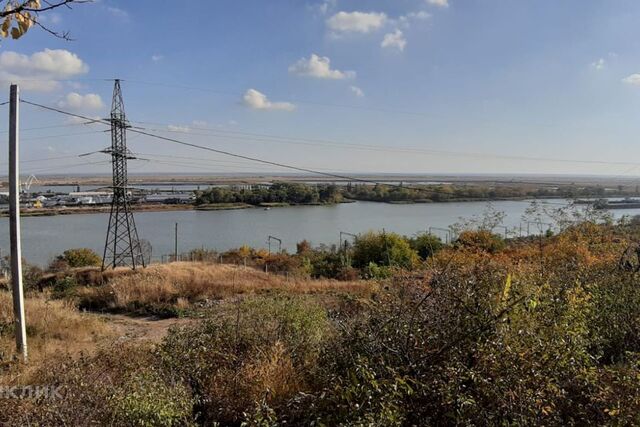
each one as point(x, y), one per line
point(14, 223)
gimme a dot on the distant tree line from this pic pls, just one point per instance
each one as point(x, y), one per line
point(279, 192)
point(296, 193)
point(447, 192)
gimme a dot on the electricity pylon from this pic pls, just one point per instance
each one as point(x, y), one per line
point(122, 247)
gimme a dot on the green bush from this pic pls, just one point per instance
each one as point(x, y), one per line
point(64, 287)
point(426, 244)
point(375, 271)
point(265, 348)
point(148, 400)
point(383, 249)
point(74, 258)
point(120, 385)
point(328, 263)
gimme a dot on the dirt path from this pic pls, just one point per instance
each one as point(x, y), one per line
point(142, 328)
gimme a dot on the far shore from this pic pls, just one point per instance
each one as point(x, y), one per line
point(82, 210)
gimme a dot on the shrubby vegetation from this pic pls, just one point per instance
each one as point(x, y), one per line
point(74, 258)
point(371, 255)
point(487, 331)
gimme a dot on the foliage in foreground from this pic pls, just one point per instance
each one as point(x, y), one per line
point(75, 258)
point(543, 332)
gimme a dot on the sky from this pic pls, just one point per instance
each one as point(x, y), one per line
point(343, 86)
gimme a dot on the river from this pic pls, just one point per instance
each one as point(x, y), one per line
point(45, 237)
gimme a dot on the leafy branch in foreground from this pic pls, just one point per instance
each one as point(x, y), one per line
point(18, 16)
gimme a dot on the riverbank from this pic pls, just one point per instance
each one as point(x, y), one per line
point(156, 207)
point(80, 210)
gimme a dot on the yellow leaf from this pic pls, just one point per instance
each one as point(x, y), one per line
point(16, 33)
point(6, 24)
point(34, 4)
point(507, 288)
point(24, 25)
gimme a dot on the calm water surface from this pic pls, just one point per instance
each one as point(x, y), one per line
point(44, 237)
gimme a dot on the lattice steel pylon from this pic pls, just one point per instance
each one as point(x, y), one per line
point(122, 247)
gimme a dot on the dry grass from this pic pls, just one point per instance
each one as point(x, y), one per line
point(54, 328)
point(182, 284)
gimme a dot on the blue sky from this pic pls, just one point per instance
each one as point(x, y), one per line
point(421, 80)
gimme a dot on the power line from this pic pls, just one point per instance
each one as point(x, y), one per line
point(204, 161)
point(49, 127)
point(67, 135)
point(262, 161)
point(66, 113)
point(239, 156)
point(257, 137)
point(206, 167)
point(305, 141)
point(47, 159)
point(64, 167)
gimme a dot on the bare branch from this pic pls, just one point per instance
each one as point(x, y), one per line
point(61, 35)
point(50, 6)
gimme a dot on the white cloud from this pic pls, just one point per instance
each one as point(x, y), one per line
point(599, 64)
point(439, 3)
point(178, 128)
point(419, 15)
point(40, 70)
point(406, 20)
point(199, 123)
point(394, 40)
point(76, 102)
point(633, 80)
point(356, 91)
point(320, 68)
point(157, 57)
point(356, 22)
point(259, 101)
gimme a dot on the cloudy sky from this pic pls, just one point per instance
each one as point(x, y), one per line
point(420, 86)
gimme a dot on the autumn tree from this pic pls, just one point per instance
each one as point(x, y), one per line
point(18, 16)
